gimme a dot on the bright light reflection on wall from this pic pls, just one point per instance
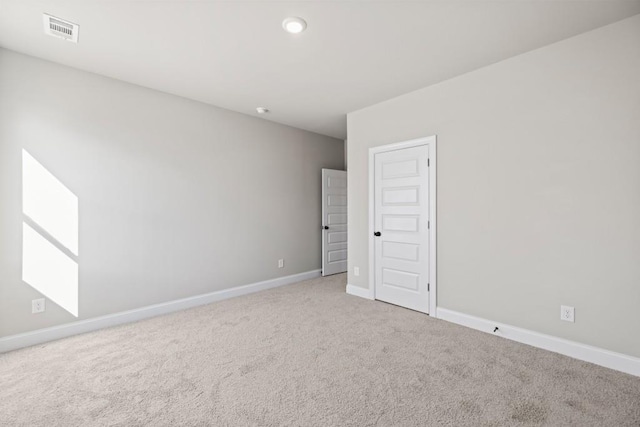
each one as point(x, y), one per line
point(49, 203)
point(49, 270)
point(54, 209)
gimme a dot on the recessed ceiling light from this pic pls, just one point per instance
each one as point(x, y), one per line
point(262, 110)
point(294, 25)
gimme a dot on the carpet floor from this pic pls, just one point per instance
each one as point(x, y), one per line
point(306, 354)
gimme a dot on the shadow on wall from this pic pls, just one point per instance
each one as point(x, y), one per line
point(49, 235)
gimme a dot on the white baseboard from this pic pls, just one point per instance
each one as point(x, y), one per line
point(587, 353)
point(40, 336)
point(358, 291)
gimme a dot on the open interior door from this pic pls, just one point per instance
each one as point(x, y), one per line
point(334, 222)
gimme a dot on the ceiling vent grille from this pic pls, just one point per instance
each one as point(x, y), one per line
point(60, 28)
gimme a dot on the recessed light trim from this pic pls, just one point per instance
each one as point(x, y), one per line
point(294, 25)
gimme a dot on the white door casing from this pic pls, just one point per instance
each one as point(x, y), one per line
point(402, 211)
point(334, 221)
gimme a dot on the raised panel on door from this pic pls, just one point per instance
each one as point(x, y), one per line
point(401, 215)
point(401, 250)
point(334, 222)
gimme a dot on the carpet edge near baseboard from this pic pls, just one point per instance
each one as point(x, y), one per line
point(40, 336)
point(358, 291)
point(587, 353)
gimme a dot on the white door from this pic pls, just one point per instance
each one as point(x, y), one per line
point(401, 227)
point(334, 221)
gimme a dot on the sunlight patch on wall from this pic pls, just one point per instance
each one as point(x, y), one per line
point(53, 208)
point(49, 270)
point(49, 203)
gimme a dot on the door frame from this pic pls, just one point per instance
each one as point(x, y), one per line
point(430, 142)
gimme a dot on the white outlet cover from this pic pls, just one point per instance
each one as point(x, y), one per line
point(280, 263)
point(37, 305)
point(567, 313)
point(356, 271)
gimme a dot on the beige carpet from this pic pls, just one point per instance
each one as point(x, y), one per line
point(305, 355)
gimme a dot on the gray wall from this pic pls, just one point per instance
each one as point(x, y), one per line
point(538, 186)
point(177, 198)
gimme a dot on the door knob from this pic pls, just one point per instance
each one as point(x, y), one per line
point(377, 233)
point(326, 227)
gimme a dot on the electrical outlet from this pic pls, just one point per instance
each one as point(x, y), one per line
point(37, 306)
point(567, 313)
point(356, 271)
point(280, 263)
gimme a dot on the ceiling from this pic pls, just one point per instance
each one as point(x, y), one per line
point(234, 54)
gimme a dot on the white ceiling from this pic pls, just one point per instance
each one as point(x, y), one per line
point(234, 54)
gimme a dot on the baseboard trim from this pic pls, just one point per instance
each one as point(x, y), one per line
point(609, 359)
point(358, 291)
point(14, 342)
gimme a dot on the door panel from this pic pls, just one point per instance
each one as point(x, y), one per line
point(334, 216)
point(401, 215)
point(401, 251)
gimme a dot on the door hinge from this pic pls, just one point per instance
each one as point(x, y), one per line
point(428, 162)
point(429, 224)
point(428, 287)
